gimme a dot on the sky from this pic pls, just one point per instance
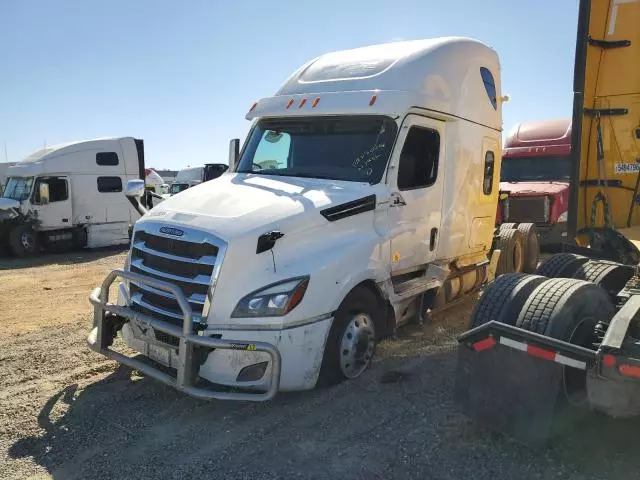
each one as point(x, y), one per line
point(182, 75)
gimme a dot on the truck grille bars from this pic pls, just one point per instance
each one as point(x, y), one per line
point(186, 258)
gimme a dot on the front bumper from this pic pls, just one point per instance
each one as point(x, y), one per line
point(190, 343)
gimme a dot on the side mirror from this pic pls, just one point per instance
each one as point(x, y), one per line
point(44, 193)
point(234, 152)
point(134, 189)
point(134, 192)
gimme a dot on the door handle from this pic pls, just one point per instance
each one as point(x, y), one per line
point(397, 200)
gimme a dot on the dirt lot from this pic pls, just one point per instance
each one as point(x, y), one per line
point(67, 413)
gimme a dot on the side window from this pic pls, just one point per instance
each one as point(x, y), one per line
point(487, 183)
point(58, 189)
point(489, 86)
point(109, 184)
point(273, 150)
point(419, 159)
point(107, 158)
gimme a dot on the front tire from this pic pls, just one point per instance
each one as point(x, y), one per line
point(352, 338)
point(24, 241)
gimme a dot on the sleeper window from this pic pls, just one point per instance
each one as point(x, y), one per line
point(109, 184)
point(107, 158)
point(487, 183)
point(489, 86)
point(419, 159)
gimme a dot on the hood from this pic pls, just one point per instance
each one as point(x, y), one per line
point(534, 188)
point(8, 203)
point(235, 204)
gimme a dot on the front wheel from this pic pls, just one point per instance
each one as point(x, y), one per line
point(352, 339)
point(23, 241)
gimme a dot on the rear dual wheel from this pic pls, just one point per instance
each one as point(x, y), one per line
point(567, 309)
point(511, 245)
point(530, 244)
point(503, 299)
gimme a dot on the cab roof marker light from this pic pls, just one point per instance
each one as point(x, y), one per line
point(315, 102)
point(253, 106)
point(302, 102)
point(289, 103)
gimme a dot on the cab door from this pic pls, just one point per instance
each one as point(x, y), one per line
point(52, 200)
point(416, 178)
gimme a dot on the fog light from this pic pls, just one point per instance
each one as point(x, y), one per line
point(252, 372)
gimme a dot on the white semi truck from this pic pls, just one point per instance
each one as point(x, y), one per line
point(71, 195)
point(191, 176)
point(365, 193)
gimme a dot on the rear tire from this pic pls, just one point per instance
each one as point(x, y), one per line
point(508, 226)
point(352, 338)
point(24, 241)
point(511, 245)
point(561, 265)
point(611, 276)
point(531, 247)
point(568, 309)
point(503, 299)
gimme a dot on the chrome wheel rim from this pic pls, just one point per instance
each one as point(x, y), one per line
point(27, 241)
point(357, 345)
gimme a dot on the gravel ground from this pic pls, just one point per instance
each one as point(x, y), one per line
point(67, 413)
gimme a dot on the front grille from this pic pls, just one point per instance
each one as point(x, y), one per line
point(174, 246)
point(166, 338)
point(526, 209)
point(186, 264)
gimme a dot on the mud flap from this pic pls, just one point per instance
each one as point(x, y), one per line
point(519, 401)
point(512, 381)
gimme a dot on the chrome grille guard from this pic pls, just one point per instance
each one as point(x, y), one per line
point(186, 370)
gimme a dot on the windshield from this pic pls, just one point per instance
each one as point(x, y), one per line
point(178, 187)
point(18, 188)
point(526, 169)
point(194, 173)
point(341, 148)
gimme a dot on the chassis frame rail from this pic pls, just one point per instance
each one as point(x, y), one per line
point(187, 367)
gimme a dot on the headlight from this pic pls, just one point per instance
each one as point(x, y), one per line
point(274, 300)
point(563, 216)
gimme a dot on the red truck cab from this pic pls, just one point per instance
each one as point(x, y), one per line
point(534, 178)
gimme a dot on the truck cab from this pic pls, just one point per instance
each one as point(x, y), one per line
point(364, 194)
point(191, 176)
point(186, 178)
point(70, 195)
point(534, 178)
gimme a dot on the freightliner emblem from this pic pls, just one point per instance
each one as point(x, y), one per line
point(176, 232)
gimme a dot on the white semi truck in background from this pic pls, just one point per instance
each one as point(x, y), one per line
point(365, 193)
point(191, 176)
point(71, 195)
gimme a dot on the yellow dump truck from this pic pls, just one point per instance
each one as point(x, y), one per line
point(544, 349)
